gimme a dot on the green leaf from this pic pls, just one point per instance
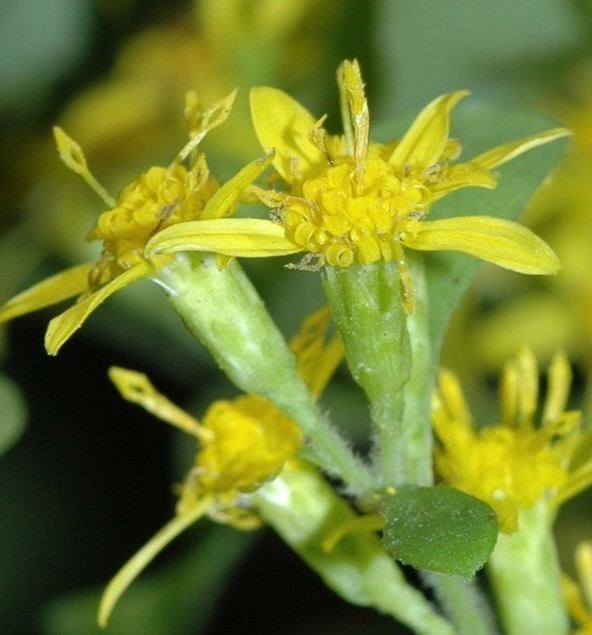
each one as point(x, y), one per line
point(12, 413)
point(440, 529)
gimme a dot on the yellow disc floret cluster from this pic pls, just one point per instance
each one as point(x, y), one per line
point(513, 464)
point(355, 221)
point(159, 198)
point(247, 442)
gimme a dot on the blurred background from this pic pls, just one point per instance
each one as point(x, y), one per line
point(85, 478)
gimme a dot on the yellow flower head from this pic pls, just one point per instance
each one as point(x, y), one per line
point(241, 444)
point(159, 198)
point(352, 201)
point(579, 598)
point(249, 443)
point(348, 201)
point(515, 463)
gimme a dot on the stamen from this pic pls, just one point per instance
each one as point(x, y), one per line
point(200, 122)
point(73, 156)
point(137, 388)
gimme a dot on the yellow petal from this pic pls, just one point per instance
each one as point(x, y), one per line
point(425, 141)
point(223, 202)
point(137, 388)
point(502, 242)
point(502, 154)
point(133, 567)
point(356, 120)
point(236, 237)
point(462, 175)
point(62, 327)
point(558, 386)
point(317, 358)
point(281, 123)
point(583, 558)
point(50, 291)
point(453, 398)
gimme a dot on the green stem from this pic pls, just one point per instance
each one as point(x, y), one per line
point(460, 599)
point(223, 311)
point(526, 577)
point(305, 510)
point(367, 308)
point(416, 433)
point(463, 603)
point(390, 357)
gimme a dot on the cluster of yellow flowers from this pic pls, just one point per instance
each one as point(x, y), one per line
point(344, 202)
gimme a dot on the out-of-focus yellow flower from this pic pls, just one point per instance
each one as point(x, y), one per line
point(515, 463)
point(243, 443)
point(579, 597)
point(351, 201)
point(555, 312)
point(157, 199)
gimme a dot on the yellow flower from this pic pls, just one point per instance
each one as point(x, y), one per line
point(350, 201)
point(243, 443)
point(579, 598)
point(160, 198)
point(515, 463)
point(561, 214)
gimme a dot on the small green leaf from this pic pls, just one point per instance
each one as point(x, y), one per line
point(440, 529)
point(12, 413)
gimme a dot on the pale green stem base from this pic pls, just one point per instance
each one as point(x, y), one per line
point(223, 311)
point(417, 433)
point(304, 510)
point(463, 603)
point(525, 575)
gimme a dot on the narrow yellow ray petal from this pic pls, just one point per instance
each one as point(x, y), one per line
point(559, 383)
point(502, 154)
point(575, 602)
point(496, 240)
point(528, 381)
point(236, 237)
point(50, 291)
point(364, 524)
point(317, 359)
point(425, 141)
point(281, 123)
point(356, 116)
point(223, 202)
point(453, 398)
point(137, 563)
point(577, 482)
point(62, 327)
point(137, 388)
point(462, 175)
point(583, 558)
